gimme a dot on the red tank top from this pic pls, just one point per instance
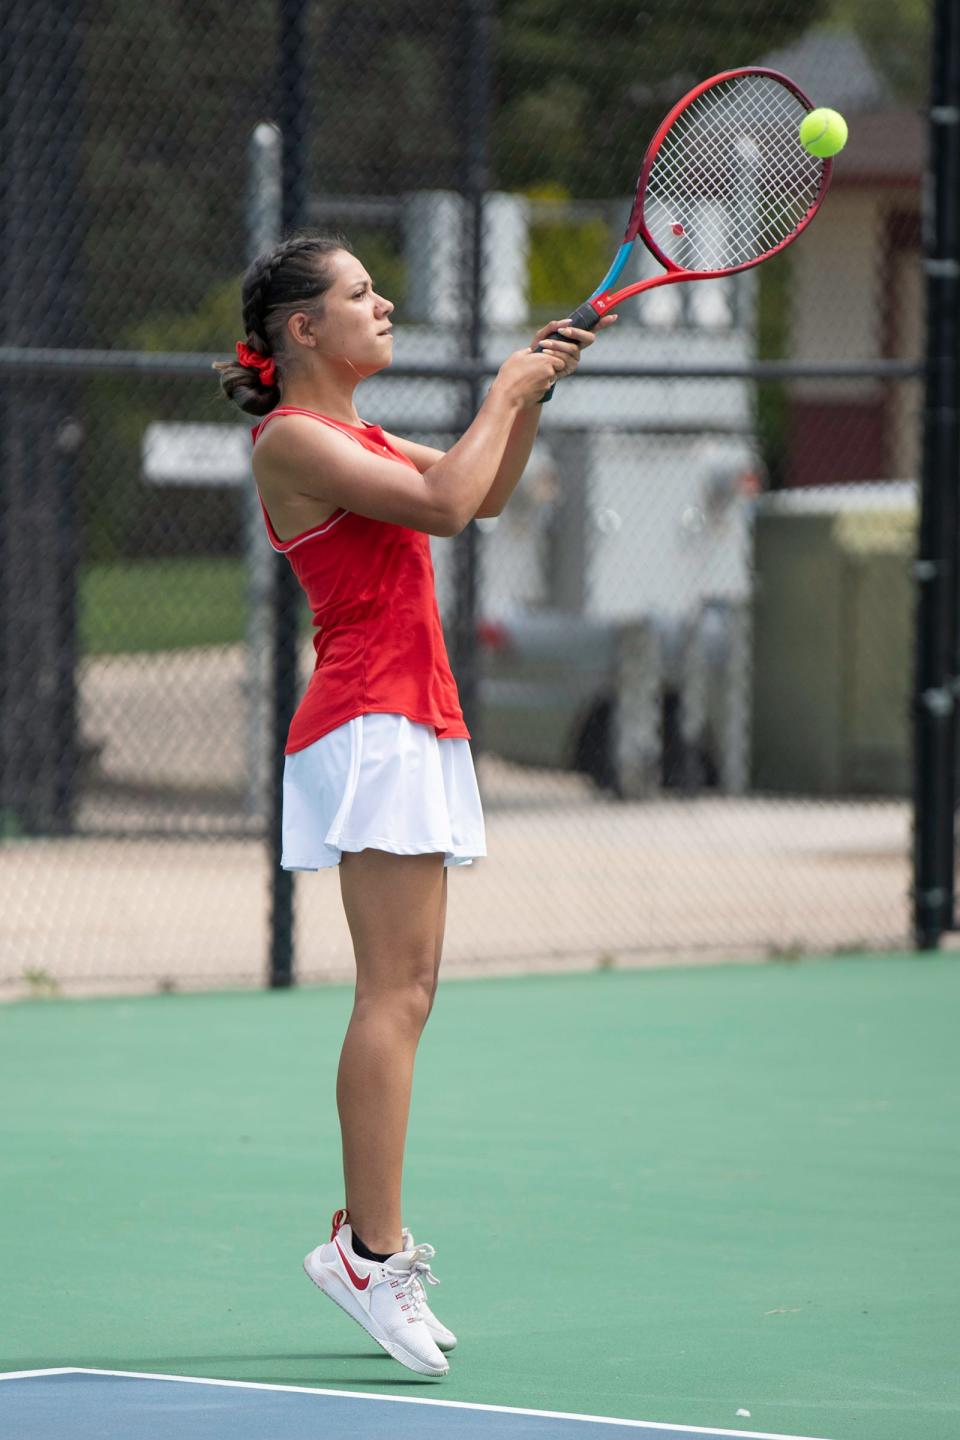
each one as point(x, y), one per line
point(379, 641)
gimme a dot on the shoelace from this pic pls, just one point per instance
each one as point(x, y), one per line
point(415, 1275)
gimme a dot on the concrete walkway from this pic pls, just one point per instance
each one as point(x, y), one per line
point(573, 879)
point(567, 885)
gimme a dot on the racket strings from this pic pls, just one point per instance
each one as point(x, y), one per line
point(716, 177)
point(731, 180)
point(732, 215)
point(721, 185)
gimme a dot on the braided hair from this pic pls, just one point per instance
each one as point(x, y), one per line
point(275, 286)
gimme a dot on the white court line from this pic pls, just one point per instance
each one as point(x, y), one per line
point(26, 1374)
point(413, 1400)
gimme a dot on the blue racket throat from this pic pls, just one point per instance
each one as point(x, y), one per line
point(613, 274)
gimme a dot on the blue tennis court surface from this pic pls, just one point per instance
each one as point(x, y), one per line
point(76, 1404)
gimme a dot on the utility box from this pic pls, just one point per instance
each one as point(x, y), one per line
point(832, 626)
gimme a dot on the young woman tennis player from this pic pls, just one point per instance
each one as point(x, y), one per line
point(378, 776)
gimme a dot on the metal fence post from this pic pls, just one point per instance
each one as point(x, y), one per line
point(42, 224)
point(263, 230)
point(474, 129)
point(937, 665)
point(291, 108)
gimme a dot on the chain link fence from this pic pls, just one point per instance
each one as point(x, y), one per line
point(685, 648)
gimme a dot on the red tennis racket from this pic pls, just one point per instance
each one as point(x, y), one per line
point(724, 184)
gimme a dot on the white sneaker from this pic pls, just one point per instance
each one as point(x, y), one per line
point(443, 1338)
point(380, 1296)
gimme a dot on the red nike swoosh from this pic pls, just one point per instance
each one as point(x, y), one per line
point(360, 1284)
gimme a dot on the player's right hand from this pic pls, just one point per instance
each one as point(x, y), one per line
point(526, 376)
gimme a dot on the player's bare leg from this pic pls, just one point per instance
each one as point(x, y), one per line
point(393, 904)
point(441, 926)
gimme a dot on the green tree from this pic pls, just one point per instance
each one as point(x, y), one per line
point(580, 88)
point(172, 92)
point(896, 35)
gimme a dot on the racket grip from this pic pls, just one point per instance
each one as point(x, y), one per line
point(583, 318)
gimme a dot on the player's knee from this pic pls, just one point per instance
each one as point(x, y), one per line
point(431, 996)
point(407, 1000)
point(416, 1000)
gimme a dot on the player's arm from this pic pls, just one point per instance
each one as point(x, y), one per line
point(516, 451)
point(296, 456)
point(515, 456)
point(524, 430)
point(423, 456)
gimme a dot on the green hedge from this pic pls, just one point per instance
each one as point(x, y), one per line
point(170, 604)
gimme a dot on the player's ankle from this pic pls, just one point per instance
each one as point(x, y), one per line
point(376, 1251)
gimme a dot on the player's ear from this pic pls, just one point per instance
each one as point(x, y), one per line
point(301, 327)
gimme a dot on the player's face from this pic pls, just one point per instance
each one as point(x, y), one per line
point(355, 321)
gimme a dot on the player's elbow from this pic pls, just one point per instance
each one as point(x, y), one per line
point(462, 521)
point(452, 524)
point(459, 521)
point(446, 517)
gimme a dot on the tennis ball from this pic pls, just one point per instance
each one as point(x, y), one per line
point(823, 132)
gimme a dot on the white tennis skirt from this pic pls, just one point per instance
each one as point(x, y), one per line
point(381, 782)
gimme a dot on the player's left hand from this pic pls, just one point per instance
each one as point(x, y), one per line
point(561, 337)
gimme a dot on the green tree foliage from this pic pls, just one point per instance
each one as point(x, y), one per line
point(566, 260)
point(581, 87)
point(896, 34)
point(387, 96)
point(577, 88)
point(172, 92)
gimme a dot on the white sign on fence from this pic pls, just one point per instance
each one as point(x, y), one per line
point(196, 454)
point(210, 454)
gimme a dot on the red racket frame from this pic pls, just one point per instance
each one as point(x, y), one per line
point(636, 226)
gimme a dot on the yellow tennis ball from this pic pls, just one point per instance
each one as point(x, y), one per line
point(823, 132)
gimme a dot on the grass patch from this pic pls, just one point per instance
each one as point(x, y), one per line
point(169, 604)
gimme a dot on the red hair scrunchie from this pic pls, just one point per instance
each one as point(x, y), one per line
point(253, 361)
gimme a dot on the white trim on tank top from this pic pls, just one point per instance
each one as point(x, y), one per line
point(287, 545)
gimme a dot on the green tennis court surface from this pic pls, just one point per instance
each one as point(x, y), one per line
point(663, 1196)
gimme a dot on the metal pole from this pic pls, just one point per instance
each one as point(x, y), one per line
point(263, 230)
point(937, 661)
point(42, 301)
point(47, 360)
point(291, 111)
point(475, 133)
